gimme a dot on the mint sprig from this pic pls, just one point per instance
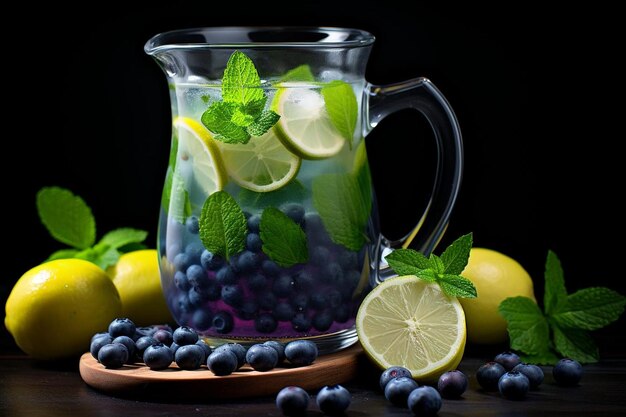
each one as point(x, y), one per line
point(445, 270)
point(563, 327)
point(70, 221)
point(240, 114)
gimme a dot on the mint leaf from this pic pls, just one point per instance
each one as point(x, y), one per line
point(263, 123)
point(456, 255)
point(131, 247)
point(66, 216)
point(554, 291)
point(62, 254)
point(218, 119)
point(543, 358)
point(343, 209)
point(293, 191)
point(179, 205)
point(361, 170)
point(590, 308)
point(527, 327)
point(427, 275)
point(299, 73)
point(575, 344)
point(436, 263)
point(255, 107)
point(241, 82)
point(241, 118)
point(283, 240)
point(223, 226)
point(123, 236)
point(342, 107)
point(457, 286)
point(407, 261)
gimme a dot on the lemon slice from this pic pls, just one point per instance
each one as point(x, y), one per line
point(304, 125)
point(263, 164)
point(196, 145)
point(408, 322)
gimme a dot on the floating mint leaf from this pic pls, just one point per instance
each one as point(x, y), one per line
point(575, 343)
point(218, 119)
point(241, 118)
point(66, 216)
point(456, 255)
point(590, 308)
point(223, 226)
point(263, 123)
point(179, 205)
point(342, 107)
point(299, 73)
point(407, 261)
point(254, 108)
point(554, 291)
point(123, 236)
point(456, 286)
point(293, 191)
point(241, 82)
point(527, 327)
point(283, 240)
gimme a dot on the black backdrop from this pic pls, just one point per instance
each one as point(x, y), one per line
point(532, 89)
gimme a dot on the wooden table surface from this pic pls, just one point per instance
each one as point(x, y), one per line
point(29, 388)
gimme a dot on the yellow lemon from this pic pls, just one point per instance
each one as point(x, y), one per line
point(136, 276)
point(56, 307)
point(496, 277)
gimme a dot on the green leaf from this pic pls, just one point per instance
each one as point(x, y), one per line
point(436, 263)
point(457, 286)
point(575, 344)
point(293, 191)
point(263, 123)
point(241, 118)
point(123, 236)
point(62, 254)
point(241, 82)
point(255, 107)
point(131, 247)
point(66, 216)
point(546, 357)
point(456, 255)
point(106, 256)
point(361, 171)
point(343, 209)
point(342, 107)
point(427, 275)
point(528, 328)
point(299, 73)
point(223, 226)
point(218, 119)
point(407, 261)
point(590, 308)
point(179, 205)
point(554, 291)
point(283, 239)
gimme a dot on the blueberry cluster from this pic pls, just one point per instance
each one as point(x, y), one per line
point(159, 346)
point(332, 400)
point(252, 295)
point(401, 390)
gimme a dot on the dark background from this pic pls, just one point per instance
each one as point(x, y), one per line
point(537, 94)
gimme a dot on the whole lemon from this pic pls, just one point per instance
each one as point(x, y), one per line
point(136, 277)
point(55, 308)
point(496, 277)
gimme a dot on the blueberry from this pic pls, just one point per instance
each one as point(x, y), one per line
point(294, 211)
point(193, 225)
point(283, 311)
point(398, 389)
point(232, 295)
point(181, 281)
point(319, 301)
point(342, 313)
point(282, 286)
point(331, 273)
point(322, 321)
point(352, 279)
point(163, 336)
point(205, 348)
point(334, 298)
point(142, 344)
point(253, 242)
point(513, 385)
point(210, 262)
point(292, 401)
point(213, 291)
point(182, 261)
point(301, 323)
point(196, 297)
point(265, 323)
point(223, 322)
point(300, 302)
point(113, 355)
point(248, 310)
point(189, 357)
point(247, 262)
point(158, 356)
point(304, 281)
point(222, 362)
point(182, 303)
point(194, 251)
point(173, 348)
point(226, 275)
point(270, 268)
point(196, 276)
point(320, 255)
point(391, 373)
point(313, 222)
point(301, 352)
point(333, 400)
point(262, 357)
point(257, 282)
point(424, 401)
point(99, 335)
point(452, 384)
point(202, 319)
point(507, 359)
point(254, 222)
point(185, 336)
point(278, 347)
point(532, 372)
point(98, 342)
point(122, 327)
point(129, 343)
point(267, 301)
point(237, 349)
point(489, 374)
point(567, 372)
point(348, 260)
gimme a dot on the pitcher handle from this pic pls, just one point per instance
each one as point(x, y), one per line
point(421, 94)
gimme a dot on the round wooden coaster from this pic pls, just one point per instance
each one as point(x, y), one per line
point(200, 385)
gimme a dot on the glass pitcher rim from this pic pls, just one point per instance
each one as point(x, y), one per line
point(319, 37)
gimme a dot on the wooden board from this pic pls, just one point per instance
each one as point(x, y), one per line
point(200, 385)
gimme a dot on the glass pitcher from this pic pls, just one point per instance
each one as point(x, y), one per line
point(268, 227)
